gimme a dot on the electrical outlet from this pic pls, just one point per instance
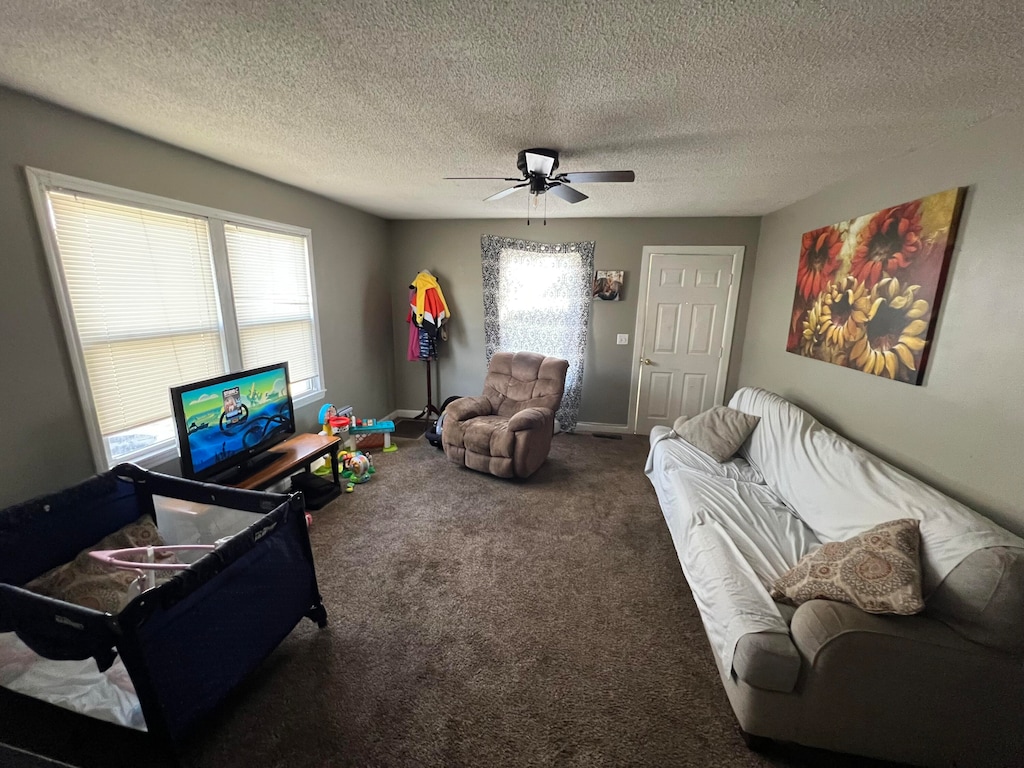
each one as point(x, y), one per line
point(622, 338)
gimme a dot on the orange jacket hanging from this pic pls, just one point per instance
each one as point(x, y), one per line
point(429, 309)
point(430, 304)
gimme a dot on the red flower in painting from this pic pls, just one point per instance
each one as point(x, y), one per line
point(888, 243)
point(818, 261)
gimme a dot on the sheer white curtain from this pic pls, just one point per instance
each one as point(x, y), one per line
point(537, 298)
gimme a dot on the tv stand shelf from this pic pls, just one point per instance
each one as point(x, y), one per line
point(293, 454)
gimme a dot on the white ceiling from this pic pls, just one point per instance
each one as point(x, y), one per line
point(726, 107)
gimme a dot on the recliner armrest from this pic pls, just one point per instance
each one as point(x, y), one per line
point(468, 408)
point(532, 418)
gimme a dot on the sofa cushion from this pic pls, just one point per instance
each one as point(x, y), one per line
point(719, 431)
point(982, 597)
point(878, 571)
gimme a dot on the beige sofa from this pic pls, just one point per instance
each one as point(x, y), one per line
point(944, 687)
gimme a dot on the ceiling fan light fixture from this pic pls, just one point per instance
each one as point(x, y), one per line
point(538, 168)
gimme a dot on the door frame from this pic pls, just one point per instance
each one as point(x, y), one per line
point(736, 251)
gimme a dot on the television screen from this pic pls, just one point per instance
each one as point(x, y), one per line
point(224, 422)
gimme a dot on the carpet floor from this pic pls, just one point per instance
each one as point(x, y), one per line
point(411, 428)
point(473, 621)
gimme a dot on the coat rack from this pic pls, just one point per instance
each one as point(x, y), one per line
point(429, 408)
point(430, 309)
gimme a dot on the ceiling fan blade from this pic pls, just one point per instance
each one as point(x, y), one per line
point(566, 193)
point(542, 164)
point(504, 192)
point(492, 178)
point(588, 177)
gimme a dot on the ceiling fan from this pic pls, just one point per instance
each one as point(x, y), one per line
point(538, 168)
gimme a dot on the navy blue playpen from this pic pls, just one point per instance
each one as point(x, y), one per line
point(189, 641)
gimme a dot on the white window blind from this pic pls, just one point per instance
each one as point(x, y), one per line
point(141, 287)
point(273, 301)
point(153, 296)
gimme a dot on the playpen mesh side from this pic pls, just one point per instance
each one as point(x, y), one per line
point(50, 530)
point(184, 658)
point(45, 532)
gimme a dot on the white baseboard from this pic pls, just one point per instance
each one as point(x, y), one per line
point(593, 426)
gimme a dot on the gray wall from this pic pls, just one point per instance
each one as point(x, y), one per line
point(451, 250)
point(963, 430)
point(44, 443)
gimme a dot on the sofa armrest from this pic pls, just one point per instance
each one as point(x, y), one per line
point(888, 680)
point(889, 687)
point(767, 660)
point(532, 418)
point(468, 408)
point(819, 624)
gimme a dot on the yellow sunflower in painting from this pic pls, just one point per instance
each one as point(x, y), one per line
point(836, 320)
point(844, 310)
point(813, 331)
point(894, 331)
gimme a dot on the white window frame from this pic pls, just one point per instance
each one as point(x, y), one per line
point(40, 181)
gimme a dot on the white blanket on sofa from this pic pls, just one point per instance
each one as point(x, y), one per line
point(732, 536)
point(840, 490)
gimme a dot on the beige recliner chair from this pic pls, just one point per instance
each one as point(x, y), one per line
point(507, 431)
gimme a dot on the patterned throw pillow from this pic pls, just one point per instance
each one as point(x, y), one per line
point(879, 571)
point(87, 582)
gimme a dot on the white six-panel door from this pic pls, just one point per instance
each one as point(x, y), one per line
point(685, 319)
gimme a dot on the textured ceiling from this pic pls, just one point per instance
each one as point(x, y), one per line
point(721, 108)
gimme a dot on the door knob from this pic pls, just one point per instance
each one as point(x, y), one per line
point(645, 361)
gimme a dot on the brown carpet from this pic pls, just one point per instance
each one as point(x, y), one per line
point(473, 621)
point(411, 428)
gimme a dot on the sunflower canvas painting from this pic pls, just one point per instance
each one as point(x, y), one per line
point(867, 289)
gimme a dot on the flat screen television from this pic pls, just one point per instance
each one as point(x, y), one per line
point(226, 424)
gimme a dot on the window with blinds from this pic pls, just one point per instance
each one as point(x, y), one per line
point(155, 293)
point(273, 301)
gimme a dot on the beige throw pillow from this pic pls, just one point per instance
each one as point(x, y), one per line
point(879, 571)
point(87, 582)
point(718, 432)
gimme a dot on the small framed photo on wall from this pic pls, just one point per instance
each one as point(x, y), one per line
point(608, 285)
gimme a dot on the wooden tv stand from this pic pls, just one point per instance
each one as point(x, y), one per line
point(295, 453)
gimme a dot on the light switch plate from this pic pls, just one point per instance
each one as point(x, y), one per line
point(622, 338)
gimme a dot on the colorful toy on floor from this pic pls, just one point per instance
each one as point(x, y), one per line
point(371, 433)
point(358, 467)
point(336, 421)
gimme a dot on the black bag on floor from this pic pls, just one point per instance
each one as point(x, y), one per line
point(433, 432)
